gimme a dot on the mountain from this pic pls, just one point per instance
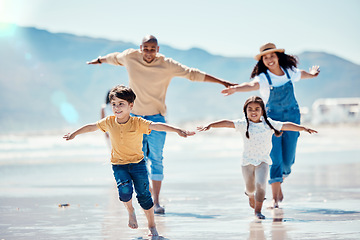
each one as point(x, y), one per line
point(45, 83)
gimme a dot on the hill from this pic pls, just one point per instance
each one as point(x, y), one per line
point(45, 83)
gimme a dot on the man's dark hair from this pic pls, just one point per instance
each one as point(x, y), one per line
point(149, 39)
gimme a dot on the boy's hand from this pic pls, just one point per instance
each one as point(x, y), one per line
point(184, 133)
point(68, 136)
point(202, 129)
point(309, 130)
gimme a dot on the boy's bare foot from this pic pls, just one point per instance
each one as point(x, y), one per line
point(158, 209)
point(258, 215)
point(252, 201)
point(153, 232)
point(132, 221)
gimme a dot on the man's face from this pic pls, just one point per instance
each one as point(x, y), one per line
point(149, 50)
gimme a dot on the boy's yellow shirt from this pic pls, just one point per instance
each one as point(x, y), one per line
point(126, 139)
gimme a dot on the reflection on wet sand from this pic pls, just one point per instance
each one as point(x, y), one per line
point(278, 228)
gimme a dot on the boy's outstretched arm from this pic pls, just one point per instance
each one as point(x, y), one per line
point(217, 124)
point(157, 126)
point(84, 129)
point(289, 126)
point(243, 87)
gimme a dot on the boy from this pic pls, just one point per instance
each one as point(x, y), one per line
point(126, 134)
point(150, 74)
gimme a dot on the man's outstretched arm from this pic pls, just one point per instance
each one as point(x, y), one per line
point(209, 78)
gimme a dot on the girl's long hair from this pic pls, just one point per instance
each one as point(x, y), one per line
point(285, 61)
point(258, 100)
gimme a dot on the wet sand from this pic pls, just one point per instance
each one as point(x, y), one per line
point(203, 191)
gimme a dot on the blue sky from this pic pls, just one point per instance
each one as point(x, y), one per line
point(228, 27)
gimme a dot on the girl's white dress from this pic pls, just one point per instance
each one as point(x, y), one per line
point(257, 148)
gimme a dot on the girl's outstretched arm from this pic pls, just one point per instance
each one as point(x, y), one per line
point(84, 129)
point(243, 87)
point(313, 72)
point(217, 124)
point(157, 126)
point(289, 126)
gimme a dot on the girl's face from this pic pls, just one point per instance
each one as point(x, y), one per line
point(121, 109)
point(254, 112)
point(271, 61)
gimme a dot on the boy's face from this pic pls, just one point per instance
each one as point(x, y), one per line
point(149, 50)
point(121, 108)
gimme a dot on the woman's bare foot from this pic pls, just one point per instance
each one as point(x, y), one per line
point(158, 209)
point(132, 221)
point(281, 196)
point(258, 215)
point(153, 232)
point(252, 201)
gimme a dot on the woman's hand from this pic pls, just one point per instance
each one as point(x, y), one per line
point(314, 70)
point(228, 91)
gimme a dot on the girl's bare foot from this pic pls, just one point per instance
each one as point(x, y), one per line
point(275, 204)
point(132, 221)
point(258, 215)
point(153, 232)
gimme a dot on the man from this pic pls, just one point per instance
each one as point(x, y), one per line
point(150, 74)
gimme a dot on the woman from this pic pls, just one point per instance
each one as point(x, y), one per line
point(274, 75)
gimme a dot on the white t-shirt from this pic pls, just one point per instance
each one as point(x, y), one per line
point(277, 81)
point(257, 148)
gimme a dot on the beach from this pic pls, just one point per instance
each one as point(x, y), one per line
point(53, 189)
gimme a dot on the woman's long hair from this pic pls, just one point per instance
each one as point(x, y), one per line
point(285, 61)
point(258, 100)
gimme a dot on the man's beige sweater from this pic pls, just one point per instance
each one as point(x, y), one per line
point(150, 81)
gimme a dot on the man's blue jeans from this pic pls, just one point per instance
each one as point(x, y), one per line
point(153, 145)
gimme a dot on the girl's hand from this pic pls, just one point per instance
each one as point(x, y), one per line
point(314, 70)
point(68, 136)
point(202, 129)
point(309, 130)
point(228, 91)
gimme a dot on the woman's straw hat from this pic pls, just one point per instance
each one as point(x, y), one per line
point(267, 48)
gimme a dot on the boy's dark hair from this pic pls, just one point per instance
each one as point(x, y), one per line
point(122, 92)
point(258, 100)
point(285, 61)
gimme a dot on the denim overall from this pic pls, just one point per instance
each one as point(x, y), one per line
point(282, 106)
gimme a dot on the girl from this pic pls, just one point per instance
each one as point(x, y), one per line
point(257, 130)
point(274, 75)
